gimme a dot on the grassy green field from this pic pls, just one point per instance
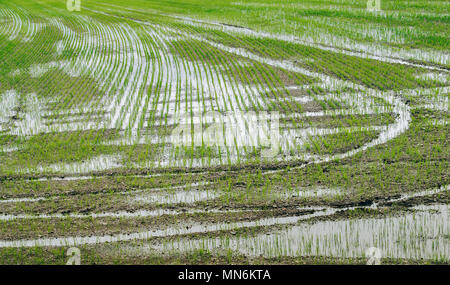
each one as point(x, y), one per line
point(224, 132)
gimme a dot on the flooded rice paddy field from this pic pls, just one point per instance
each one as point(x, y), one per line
point(252, 132)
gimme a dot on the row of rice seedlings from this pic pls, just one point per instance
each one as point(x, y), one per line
point(247, 44)
point(134, 121)
point(210, 61)
point(184, 52)
point(24, 63)
point(133, 124)
point(187, 99)
point(69, 138)
point(152, 89)
point(310, 240)
point(130, 80)
point(93, 101)
point(102, 57)
point(137, 104)
point(215, 66)
point(84, 84)
point(338, 143)
point(244, 101)
point(322, 31)
point(238, 97)
point(14, 20)
point(191, 52)
point(232, 80)
point(343, 59)
point(170, 114)
point(267, 80)
point(193, 49)
point(277, 85)
point(144, 100)
point(376, 74)
point(323, 26)
point(155, 90)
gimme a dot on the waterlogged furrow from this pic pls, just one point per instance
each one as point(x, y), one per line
point(202, 228)
point(413, 236)
point(179, 191)
point(95, 164)
point(72, 241)
point(123, 214)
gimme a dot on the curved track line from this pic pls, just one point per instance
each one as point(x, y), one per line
point(195, 229)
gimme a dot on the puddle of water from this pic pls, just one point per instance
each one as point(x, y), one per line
point(433, 98)
point(8, 101)
point(185, 196)
point(99, 163)
point(306, 192)
point(169, 190)
point(74, 178)
point(442, 122)
point(193, 229)
point(192, 197)
point(443, 78)
point(408, 196)
point(20, 200)
point(440, 208)
point(9, 149)
point(413, 236)
point(38, 70)
point(123, 214)
point(202, 228)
